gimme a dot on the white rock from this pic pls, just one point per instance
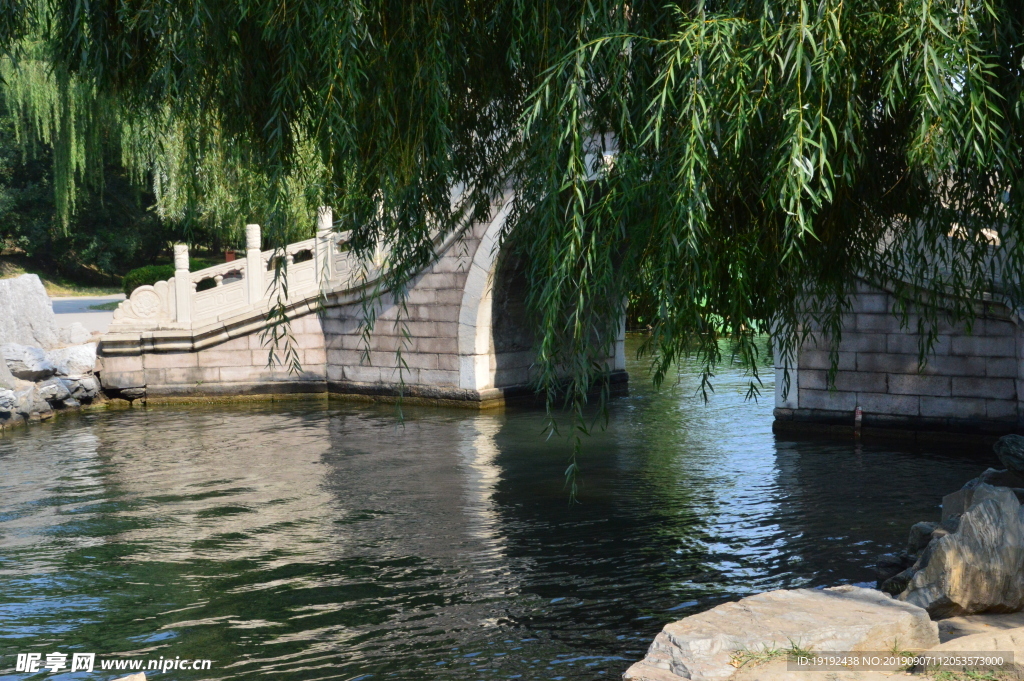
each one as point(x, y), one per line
point(986, 634)
point(74, 334)
point(27, 362)
point(980, 566)
point(26, 314)
point(701, 647)
point(8, 398)
point(1005, 640)
point(7, 380)
point(74, 361)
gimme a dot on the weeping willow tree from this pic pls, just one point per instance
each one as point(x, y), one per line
point(197, 176)
point(736, 165)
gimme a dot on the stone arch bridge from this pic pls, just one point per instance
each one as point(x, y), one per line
point(201, 334)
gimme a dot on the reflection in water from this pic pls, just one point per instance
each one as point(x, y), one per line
point(300, 542)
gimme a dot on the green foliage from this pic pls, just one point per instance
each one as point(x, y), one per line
point(736, 165)
point(110, 232)
point(147, 275)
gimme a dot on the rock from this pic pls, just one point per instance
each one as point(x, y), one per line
point(701, 647)
point(27, 362)
point(53, 391)
point(897, 584)
point(1001, 478)
point(76, 334)
point(1005, 640)
point(1010, 450)
point(74, 361)
point(889, 565)
point(7, 380)
point(28, 402)
point(779, 671)
point(8, 399)
point(956, 627)
point(977, 567)
point(954, 504)
point(950, 525)
point(132, 394)
point(26, 314)
point(920, 535)
point(83, 389)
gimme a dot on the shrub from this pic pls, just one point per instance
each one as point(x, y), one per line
point(150, 274)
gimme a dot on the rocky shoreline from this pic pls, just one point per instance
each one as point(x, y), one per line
point(958, 586)
point(45, 369)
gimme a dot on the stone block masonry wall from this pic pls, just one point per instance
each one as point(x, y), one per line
point(234, 367)
point(427, 332)
point(970, 383)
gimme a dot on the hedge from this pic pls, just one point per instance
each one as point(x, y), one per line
point(150, 274)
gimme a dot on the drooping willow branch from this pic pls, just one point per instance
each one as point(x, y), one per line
point(733, 166)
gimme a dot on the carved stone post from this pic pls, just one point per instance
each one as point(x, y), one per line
point(182, 285)
point(324, 250)
point(253, 263)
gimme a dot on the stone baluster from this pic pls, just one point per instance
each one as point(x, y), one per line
point(183, 286)
point(254, 266)
point(218, 280)
point(324, 250)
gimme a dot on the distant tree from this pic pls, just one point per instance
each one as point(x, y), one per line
point(111, 231)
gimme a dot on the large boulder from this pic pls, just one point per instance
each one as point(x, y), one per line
point(979, 567)
point(703, 647)
point(27, 362)
point(26, 315)
point(73, 361)
point(1010, 450)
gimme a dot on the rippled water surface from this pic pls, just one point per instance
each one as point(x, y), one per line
point(304, 541)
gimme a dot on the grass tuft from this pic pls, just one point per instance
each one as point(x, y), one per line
point(742, 658)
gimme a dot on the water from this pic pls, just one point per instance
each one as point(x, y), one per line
point(294, 541)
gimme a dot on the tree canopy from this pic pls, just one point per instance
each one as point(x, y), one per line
point(732, 166)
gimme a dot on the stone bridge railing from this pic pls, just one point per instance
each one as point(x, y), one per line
point(194, 300)
point(457, 333)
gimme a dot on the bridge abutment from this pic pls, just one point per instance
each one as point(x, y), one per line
point(971, 382)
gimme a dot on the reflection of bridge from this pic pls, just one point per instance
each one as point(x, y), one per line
point(462, 335)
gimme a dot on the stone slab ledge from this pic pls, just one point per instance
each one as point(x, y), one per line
point(451, 396)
